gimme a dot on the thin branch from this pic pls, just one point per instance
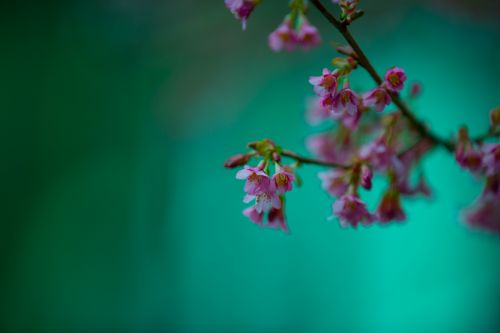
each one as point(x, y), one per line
point(365, 63)
point(309, 160)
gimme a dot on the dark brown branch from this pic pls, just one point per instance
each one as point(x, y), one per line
point(308, 160)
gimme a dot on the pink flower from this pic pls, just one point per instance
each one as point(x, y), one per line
point(485, 214)
point(276, 219)
point(253, 215)
point(307, 35)
point(378, 153)
point(366, 177)
point(326, 84)
point(316, 112)
point(282, 179)
point(345, 101)
point(351, 211)
point(329, 148)
point(335, 182)
point(378, 98)
point(491, 159)
point(389, 208)
point(241, 9)
point(264, 201)
point(257, 181)
point(285, 37)
point(394, 79)
point(350, 121)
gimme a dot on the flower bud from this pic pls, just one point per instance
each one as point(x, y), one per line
point(237, 160)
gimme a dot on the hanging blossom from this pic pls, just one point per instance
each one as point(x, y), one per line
point(265, 192)
point(242, 9)
point(295, 30)
point(316, 113)
point(351, 211)
point(389, 208)
point(377, 98)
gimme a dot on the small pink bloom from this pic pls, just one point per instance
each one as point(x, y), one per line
point(283, 38)
point(394, 79)
point(257, 180)
point(484, 214)
point(326, 84)
point(491, 159)
point(327, 147)
point(366, 177)
point(316, 112)
point(378, 153)
point(282, 180)
point(378, 98)
point(351, 211)
point(276, 219)
point(241, 9)
point(345, 101)
point(350, 121)
point(335, 182)
point(253, 215)
point(264, 201)
point(307, 35)
point(389, 208)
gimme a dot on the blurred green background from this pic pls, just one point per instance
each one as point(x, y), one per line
point(118, 216)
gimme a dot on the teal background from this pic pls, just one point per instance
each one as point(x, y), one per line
point(118, 216)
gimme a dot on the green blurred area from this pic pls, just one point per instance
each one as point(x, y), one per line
point(118, 216)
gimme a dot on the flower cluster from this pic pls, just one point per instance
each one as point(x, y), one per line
point(295, 30)
point(265, 191)
point(483, 160)
point(346, 105)
point(376, 156)
point(362, 140)
point(366, 142)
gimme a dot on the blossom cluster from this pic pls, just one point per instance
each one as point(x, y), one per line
point(368, 147)
point(295, 30)
point(482, 160)
point(364, 138)
point(266, 192)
